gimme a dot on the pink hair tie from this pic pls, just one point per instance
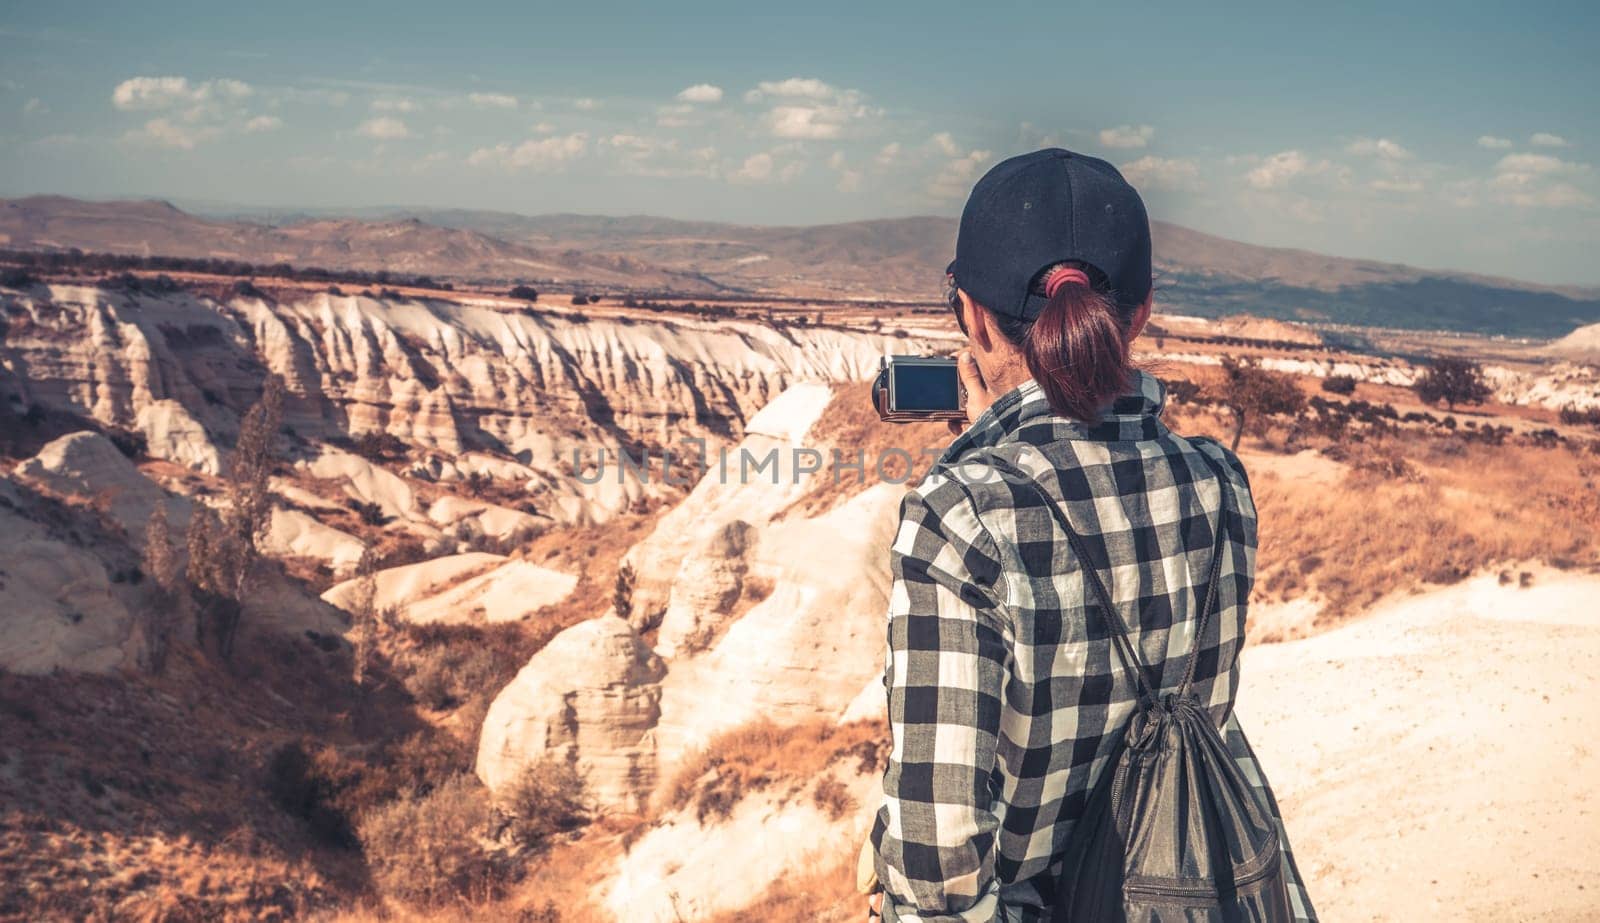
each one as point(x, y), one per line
point(1060, 276)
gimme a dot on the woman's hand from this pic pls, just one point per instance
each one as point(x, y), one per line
point(978, 395)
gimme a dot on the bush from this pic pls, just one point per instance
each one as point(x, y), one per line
point(524, 292)
point(1339, 384)
point(425, 849)
point(13, 277)
point(580, 299)
point(303, 787)
point(1572, 416)
point(546, 799)
point(376, 446)
point(1454, 381)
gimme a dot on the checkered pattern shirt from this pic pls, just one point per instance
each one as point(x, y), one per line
point(1004, 698)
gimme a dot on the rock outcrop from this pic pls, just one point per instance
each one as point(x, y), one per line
point(590, 699)
point(88, 466)
point(59, 609)
point(173, 434)
point(708, 585)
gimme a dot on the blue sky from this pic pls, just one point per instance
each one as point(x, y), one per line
point(1439, 134)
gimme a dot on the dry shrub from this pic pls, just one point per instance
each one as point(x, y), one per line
point(815, 892)
point(762, 755)
point(458, 666)
point(1474, 506)
point(427, 849)
point(546, 799)
point(833, 798)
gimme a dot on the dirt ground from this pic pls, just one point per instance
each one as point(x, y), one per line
point(1436, 760)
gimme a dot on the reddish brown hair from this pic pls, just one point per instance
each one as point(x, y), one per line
point(1077, 348)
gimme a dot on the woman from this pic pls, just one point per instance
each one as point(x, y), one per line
point(1004, 698)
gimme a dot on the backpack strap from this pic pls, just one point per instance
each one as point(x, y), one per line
point(1131, 664)
point(1210, 605)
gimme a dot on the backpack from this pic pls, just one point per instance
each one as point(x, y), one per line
point(1173, 831)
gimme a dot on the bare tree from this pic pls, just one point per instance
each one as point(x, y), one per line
point(169, 593)
point(365, 625)
point(1252, 392)
point(223, 546)
point(1454, 381)
point(622, 591)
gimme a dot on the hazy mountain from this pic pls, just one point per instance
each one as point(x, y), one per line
point(900, 259)
point(400, 244)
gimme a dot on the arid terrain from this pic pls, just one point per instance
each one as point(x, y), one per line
point(465, 666)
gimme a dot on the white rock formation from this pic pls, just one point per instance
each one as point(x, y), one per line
point(807, 650)
point(752, 482)
point(464, 588)
point(590, 698)
point(708, 585)
point(461, 378)
point(292, 532)
point(58, 609)
point(173, 434)
point(87, 465)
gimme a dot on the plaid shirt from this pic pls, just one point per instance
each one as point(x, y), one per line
point(1004, 698)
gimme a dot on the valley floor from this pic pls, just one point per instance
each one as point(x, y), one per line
point(1436, 759)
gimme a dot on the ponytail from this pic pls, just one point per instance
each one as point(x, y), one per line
point(1077, 348)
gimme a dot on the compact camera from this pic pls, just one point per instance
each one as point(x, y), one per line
point(914, 389)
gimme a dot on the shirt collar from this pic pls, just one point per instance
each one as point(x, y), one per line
point(1132, 415)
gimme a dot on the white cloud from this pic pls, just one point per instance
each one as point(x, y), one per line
point(1381, 148)
point(1541, 181)
point(541, 128)
point(35, 106)
point(757, 168)
point(586, 104)
point(492, 100)
point(888, 154)
point(1278, 170)
point(792, 88)
point(263, 123)
point(543, 155)
point(148, 93)
point(945, 144)
point(163, 132)
point(1545, 139)
point(700, 93)
point(954, 180)
point(804, 122)
point(1396, 185)
point(1162, 173)
point(1490, 142)
point(1127, 136)
point(394, 104)
point(384, 128)
point(849, 178)
point(806, 108)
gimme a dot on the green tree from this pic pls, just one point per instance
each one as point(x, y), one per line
point(223, 546)
point(169, 594)
point(1253, 392)
point(1454, 381)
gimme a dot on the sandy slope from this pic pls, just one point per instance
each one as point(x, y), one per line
point(1437, 760)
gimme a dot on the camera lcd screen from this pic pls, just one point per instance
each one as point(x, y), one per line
point(926, 387)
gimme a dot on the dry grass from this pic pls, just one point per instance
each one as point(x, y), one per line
point(1413, 511)
point(817, 892)
point(762, 755)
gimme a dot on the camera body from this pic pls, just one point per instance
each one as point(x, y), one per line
point(915, 389)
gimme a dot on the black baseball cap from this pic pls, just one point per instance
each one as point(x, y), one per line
point(1035, 210)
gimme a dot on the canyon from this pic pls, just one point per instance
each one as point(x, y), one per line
point(440, 471)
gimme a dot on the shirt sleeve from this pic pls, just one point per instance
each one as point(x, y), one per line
point(935, 835)
point(1299, 899)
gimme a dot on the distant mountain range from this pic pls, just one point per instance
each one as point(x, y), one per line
point(898, 259)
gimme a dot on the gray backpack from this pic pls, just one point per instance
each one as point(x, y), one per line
point(1173, 831)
